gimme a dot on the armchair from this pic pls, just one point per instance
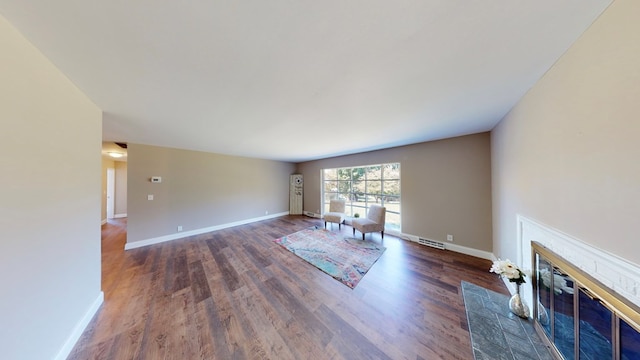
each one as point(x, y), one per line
point(374, 221)
point(336, 213)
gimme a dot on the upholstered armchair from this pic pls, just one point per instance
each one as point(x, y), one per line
point(336, 213)
point(374, 221)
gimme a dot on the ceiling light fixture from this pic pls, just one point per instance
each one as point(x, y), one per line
point(115, 154)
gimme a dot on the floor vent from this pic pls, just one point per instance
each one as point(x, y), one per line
point(434, 244)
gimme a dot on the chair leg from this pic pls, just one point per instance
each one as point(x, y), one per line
point(339, 226)
point(325, 224)
point(362, 236)
point(382, 232)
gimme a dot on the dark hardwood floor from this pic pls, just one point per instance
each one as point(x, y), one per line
point(234, 294)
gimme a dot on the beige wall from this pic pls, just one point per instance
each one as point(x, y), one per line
point(120, 188)
point(199, 190)
point(445, 187)
point(50, 202)
point(567, 155)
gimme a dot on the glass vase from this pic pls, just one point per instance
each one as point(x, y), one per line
point(517, 306)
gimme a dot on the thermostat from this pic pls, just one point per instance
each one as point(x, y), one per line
point(156, 179)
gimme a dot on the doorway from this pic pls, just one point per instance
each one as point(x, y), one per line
point(111, 189)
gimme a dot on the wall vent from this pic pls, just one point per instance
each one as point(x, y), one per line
point(311, 214)
point(433, 244)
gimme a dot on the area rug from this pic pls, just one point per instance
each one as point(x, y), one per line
point(344, 258)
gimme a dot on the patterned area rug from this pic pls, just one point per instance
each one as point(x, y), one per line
point(345, 259)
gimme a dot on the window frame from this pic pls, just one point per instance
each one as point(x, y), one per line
point(360, 189)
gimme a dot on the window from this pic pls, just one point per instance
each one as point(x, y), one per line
point(364, 186)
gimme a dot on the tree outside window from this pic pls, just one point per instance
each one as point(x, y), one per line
point(362, 186)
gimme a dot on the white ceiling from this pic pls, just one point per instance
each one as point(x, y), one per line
point(300, 80)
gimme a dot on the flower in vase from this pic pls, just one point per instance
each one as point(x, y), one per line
point(508, 270)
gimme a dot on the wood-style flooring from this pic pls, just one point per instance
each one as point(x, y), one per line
point(235, 294)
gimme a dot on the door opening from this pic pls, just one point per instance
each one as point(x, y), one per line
point(111, 186)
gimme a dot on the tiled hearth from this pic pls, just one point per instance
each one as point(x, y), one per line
point(496, 333)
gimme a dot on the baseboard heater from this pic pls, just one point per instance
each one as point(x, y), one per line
point(310, 214)
point(431, 243)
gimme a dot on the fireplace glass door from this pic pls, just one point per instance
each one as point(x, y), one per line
point(596, 328)
point(563, 313)
point(629, 341)
point(578, 317)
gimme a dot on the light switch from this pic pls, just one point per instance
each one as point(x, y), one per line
point(150, 197)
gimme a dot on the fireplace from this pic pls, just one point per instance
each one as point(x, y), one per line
point(577, 315)
point(599, 280)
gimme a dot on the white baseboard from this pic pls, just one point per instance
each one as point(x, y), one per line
point(470, 251)
point(455, 247)
point(183, 234)
point(79, 328)
point(118, 216)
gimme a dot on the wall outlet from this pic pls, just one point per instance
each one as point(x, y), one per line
point(449, 237)
point(266, 212)
point(179, 228)
point(150, 197)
